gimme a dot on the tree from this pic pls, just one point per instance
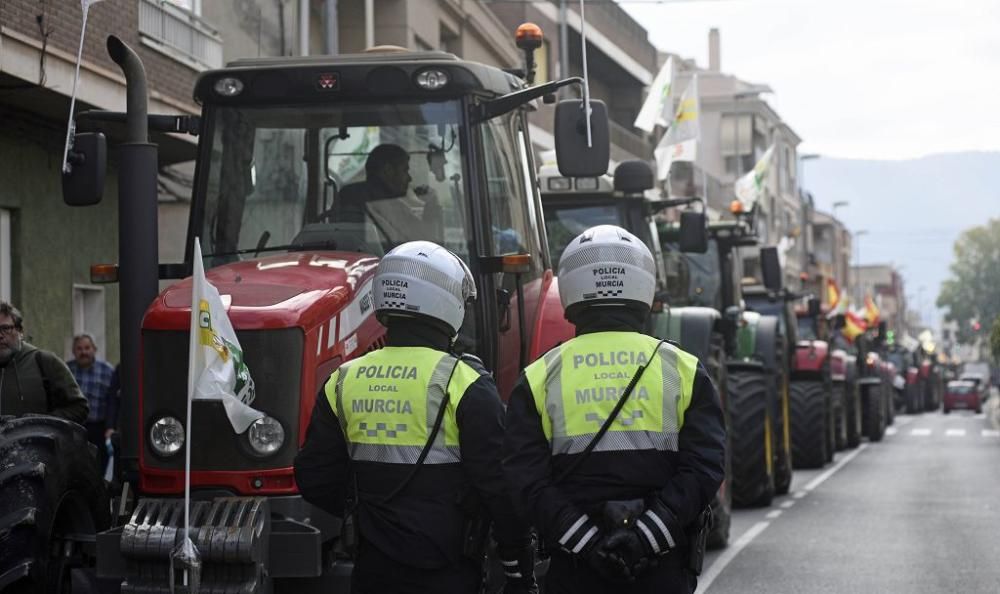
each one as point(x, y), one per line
point(972, 293)
point(995, 340)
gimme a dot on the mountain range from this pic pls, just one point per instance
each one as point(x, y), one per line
point(913, 210)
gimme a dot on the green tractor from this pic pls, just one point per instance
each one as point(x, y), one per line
point(753, 356)
point(572, 205)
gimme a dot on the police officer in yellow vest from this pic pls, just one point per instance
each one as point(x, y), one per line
point(419, 431)
point(615, 512)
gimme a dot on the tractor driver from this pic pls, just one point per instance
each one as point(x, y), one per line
point(615, 440)
point(417, 432)
point(381, 199)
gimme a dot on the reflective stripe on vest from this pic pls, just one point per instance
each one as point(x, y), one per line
point(576, 385)
point(387, 402)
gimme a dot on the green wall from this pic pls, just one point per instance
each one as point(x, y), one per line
point(53, 245)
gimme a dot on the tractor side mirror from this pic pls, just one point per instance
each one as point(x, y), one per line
point(693, 233)
point(83, 184)
point(770, 268)
point(814, 309)
point(574, 157)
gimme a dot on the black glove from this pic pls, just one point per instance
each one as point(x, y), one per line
point(609, 567)
point(630, 551)
point(659, 528)
point(518, 569)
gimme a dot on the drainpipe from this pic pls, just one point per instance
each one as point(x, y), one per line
point(303, 27)
point(369, 23)
point(331, 39)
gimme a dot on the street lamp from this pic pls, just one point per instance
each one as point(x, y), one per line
point(839, 204)
point(857, 266)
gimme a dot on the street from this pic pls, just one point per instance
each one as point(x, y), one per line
point(913, 513)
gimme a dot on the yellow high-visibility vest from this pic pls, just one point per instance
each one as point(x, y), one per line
point(387, 402)
point(576, 386)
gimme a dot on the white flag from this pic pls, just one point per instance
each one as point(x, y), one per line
point(680, 142)
point(656, 108)
point(750, 188)
point(216, 368)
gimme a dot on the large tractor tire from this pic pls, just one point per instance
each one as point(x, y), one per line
point(831, 437)
point(783, 460)
point(52, 500)
point(752, 436)
point(913, 402)
point(807, 400)
point(852, 408)
point(839, 405)
point(873, 412)
point(890, 404)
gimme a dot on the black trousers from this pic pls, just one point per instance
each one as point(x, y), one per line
point(569, 575)
point(375, 573)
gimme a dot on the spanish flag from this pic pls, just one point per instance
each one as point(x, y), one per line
point(871, 311)
point(832, 293)
point(854, 326)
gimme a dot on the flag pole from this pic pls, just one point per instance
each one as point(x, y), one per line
point(193, 344)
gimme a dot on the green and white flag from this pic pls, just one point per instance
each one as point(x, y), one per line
point(656, 108)
point(750, 188)
point(680, 141)
point(216, 367)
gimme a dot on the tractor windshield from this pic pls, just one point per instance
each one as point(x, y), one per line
point(693, 279)
point(563, 222)
point(348, 177)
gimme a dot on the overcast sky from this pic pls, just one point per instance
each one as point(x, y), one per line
point(883, 79)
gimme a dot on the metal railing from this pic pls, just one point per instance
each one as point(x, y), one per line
point(181, 31)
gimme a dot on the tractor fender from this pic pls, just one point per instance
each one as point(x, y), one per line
point(811, 356)
point(766, 343)
point(690, 327)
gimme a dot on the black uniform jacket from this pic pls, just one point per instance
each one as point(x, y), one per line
point(684, 481)
point(422, 526)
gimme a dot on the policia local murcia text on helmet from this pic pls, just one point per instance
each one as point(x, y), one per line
point(412, 426)
point(615, 440)
point(420, 278)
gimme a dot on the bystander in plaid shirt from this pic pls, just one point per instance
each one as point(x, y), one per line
point(95, 383)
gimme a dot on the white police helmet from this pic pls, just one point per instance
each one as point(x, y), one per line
point(606, 265)
point(421, 278)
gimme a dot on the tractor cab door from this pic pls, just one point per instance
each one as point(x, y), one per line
point(511, 222)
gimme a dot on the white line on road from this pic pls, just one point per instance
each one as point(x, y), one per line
point(955, 433)
point(799, 494)
point(890, 431)
point(902, 421)
point(921, 432)
point(788, 504)
point(729, 554)
point(991, 433)
point(773, 514)
point(819, 480)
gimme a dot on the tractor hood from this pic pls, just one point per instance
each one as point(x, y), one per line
point(294, 289)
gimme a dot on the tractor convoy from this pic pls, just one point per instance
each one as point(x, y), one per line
point(295, 265)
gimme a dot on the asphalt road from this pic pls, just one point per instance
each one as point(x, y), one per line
point(918, 512)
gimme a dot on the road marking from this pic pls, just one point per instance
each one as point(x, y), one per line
point(890, 431)
point(921, 432)
point(991, 433)
point(819, 480)
point(729, 554)
point(799, 494)
point(955, 433)
point(788, 504)
point(904, 421)
point(773, 514)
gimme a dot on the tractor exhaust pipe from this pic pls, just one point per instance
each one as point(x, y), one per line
point(138, 259)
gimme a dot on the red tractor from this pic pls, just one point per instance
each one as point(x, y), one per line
point(811, 392)
point(282, 152)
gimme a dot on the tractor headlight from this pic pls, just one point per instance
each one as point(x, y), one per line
point(266, 435)
point(166, 436)
point(432, 79)
point(228, 86)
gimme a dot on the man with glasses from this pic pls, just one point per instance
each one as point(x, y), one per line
point(33, 380)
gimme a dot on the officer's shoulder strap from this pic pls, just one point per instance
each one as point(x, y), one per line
point(472, 361)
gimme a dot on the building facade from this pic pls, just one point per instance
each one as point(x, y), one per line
point(46, 247)
point(885, 284)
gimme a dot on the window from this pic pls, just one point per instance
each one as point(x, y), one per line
point(5, 273)
point(88, 313)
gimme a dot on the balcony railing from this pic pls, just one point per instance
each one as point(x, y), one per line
point(180, 32)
